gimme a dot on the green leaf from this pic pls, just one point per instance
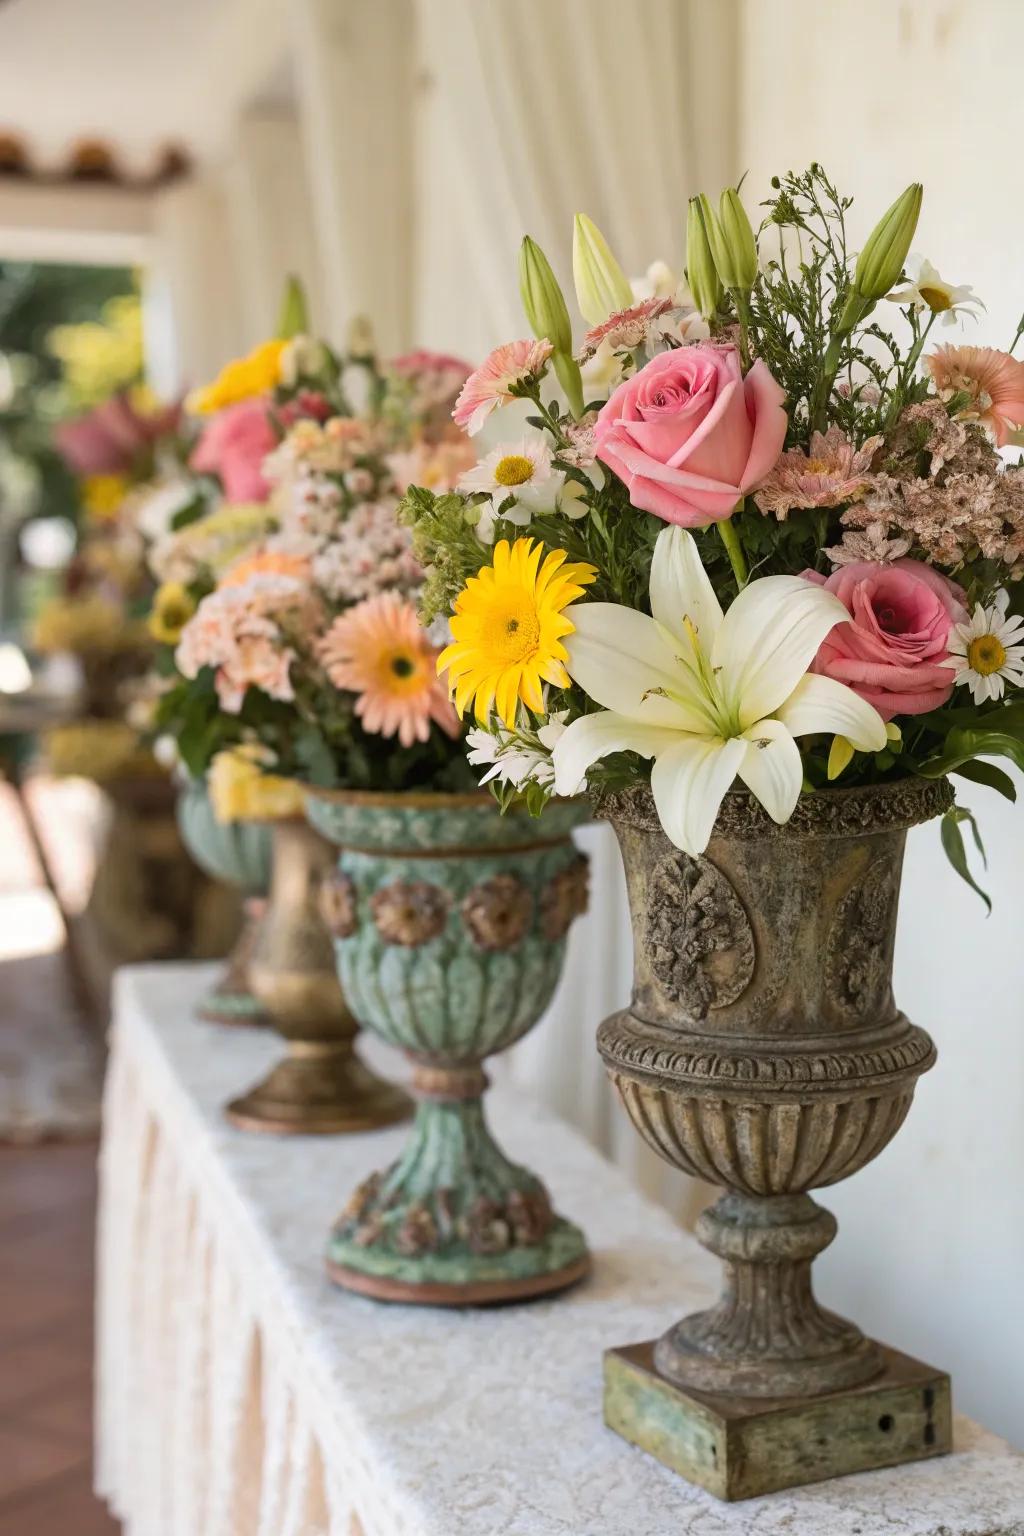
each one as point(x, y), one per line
point(987, 773)
point(956, 853)
point(962, 746)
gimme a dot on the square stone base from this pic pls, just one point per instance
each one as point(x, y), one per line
point(739, 1447)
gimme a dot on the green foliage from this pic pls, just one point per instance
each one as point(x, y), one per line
point(956, 853)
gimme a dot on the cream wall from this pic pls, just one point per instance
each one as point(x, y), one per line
point(930, 1253)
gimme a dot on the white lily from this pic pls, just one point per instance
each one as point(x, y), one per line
point(708, 696)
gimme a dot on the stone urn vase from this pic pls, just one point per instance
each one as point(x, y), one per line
point(450, 922)
point(763, 1051)
point(321, 1087)
point(238, 854)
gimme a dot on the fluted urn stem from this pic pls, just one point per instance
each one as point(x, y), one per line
point(767, 1336)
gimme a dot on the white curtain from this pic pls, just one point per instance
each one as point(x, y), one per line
point(526, 112)
point(529, 111)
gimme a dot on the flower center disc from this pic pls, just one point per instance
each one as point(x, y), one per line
point(936, 299)
point(986, 655)
point(513, 469)
point(513, 629)
point(401, 674)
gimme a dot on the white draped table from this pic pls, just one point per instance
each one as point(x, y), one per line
point(239, 1394)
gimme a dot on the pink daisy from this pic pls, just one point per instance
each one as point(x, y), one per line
point(624, 330)
point(831, 475)
point(491, 384)
point(379, 650)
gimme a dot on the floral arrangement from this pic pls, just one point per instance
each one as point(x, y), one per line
point(287, 610)
point(761, 530)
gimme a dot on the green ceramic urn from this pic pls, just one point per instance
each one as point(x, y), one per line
point(450, 923)
point(239, 854)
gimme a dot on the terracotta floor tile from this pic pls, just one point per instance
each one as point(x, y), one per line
point(65, 1507)
point(43, 1363)
point(30, 1458)
point(64, 1412)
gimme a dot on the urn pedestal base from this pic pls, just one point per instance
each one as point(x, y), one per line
point(319, 1090)
point(519, 1275)
point(454, 1223)
point(739, 1447)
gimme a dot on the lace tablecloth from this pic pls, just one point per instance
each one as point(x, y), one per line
point(240, 1395)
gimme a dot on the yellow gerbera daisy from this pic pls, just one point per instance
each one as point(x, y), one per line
point(507, 630)
point(255, 374)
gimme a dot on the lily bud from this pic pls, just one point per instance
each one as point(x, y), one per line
point(881, 261)
point(294, 315)
point(542, 297)
point(701, 272)
point(731, 239)
point(601, 285)
point(546, 311)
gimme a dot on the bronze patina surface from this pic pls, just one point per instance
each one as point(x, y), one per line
point(321, 1087)
point(763, 1051)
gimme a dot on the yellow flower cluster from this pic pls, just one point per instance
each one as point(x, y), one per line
point(103, 496)
point(255, 374)
point(212, 543)
point(241, 790)
point(101, 357)
point(101, 750)
point(173, 606)
point(83, 625)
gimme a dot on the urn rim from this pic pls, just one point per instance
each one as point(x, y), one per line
point(856, 811)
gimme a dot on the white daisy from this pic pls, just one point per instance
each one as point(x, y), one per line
point(928, 290)
point(987, 652)
point(521, 474)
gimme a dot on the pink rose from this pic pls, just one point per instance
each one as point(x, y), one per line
point(690, 435)
point(891, 651)
point(234, 446)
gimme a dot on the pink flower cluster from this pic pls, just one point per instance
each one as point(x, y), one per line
point(244, 632)
point(367, 553)
point(234, 446)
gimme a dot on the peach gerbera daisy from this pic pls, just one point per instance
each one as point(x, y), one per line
point(491, 384)
point(266, 562)
point(379, 650)
point(994, 381)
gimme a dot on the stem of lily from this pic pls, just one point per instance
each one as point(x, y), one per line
point(734, 549)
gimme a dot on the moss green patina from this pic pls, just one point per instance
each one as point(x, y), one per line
point(237, 853)
point(450, 923)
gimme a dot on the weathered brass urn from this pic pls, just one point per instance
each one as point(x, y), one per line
point(321, 1086)
point(763, 1051)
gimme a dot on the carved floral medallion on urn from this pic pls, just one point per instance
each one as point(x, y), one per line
point(450, 923)
point(763, 1051)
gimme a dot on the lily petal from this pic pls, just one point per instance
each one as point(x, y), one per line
point(768, 639)
point(623, 661)
point(819, 704)
point(680, 588)
point(771, 768)
point(689, 782)
point(595, 736)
